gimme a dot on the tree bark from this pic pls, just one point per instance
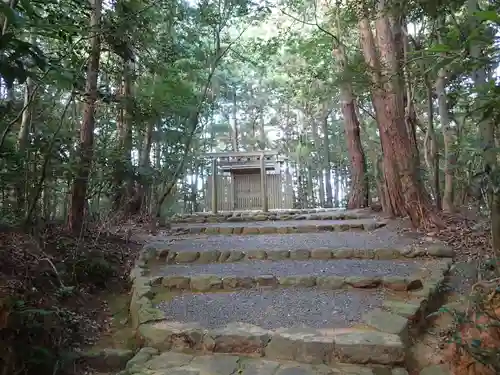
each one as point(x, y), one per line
point(327, 159)
point(431, 147)
point(235, 136)
point(358, 194)
point(405, 191)
point(448, 138)
point(336, 179)
point(145, 164)
point(431, 151)
point(410, 114)
point(393, 201)
point(311, 199)
point(124, 184)
point(262, 131)
point(86, 145)
point(22, 142)
point(319, 171)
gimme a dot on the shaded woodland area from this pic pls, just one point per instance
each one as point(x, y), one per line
point(106, 108)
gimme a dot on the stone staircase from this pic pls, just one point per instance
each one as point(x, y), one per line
point(283, 303)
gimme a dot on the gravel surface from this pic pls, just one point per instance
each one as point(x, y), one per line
point(293, 241)
point(340, 267)
point(277, 223)
point(271, 309)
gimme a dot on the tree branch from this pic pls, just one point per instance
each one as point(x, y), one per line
point(193, 121)
point(367, 112)
point(313, 24)
point(48, 156)
point(20, 114)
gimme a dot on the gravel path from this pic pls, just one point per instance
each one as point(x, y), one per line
point(273, 308)
point(355, 240)
point(340, 267)
point(277, 223)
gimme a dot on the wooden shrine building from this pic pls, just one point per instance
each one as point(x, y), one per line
point(244, 181)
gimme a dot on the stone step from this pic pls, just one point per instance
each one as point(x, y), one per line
point(164, 254)
point(280, 227)
point(368, 245)
point(150, 361)
point(272, 308)
point(304, 345)
point(307, 325)
point(274, 215)
point(395, 275)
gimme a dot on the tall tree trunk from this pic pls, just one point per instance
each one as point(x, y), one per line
point(410, 113)
point(431, 151)
point(311, 202)
point(235, 135)
point(22, 142)
point(301, 195)
point(124, 184)
point(431, 147)
point(262, 130)
point(405, 191)
point(448, 138)
point(46, 197)
point(194, 189)
point(336, 181)
point(318, 171)
point(358, 194)
point(145, 164)
point(393, 200)
point(327, 159)
point(86, 146)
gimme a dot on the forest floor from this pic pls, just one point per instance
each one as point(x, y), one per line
point(59, 294)
point(80, 284)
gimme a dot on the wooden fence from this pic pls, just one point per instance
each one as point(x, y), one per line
point(242, 192)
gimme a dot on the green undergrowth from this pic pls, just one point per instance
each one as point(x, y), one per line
point(59, 295)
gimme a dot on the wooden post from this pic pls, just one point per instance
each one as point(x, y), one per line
point(263, 183)
point(214, 185)
point(235, 192)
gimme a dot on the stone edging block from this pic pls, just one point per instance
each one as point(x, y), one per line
point(301, 345)
point(405, 319)
point(385, 345)
point(270, 229)
point(206, 282)
point(162, 253)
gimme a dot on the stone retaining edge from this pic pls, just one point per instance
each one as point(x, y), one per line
point(385, 345)
point(207, 282)
point(164, 254)
point(269, 229)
